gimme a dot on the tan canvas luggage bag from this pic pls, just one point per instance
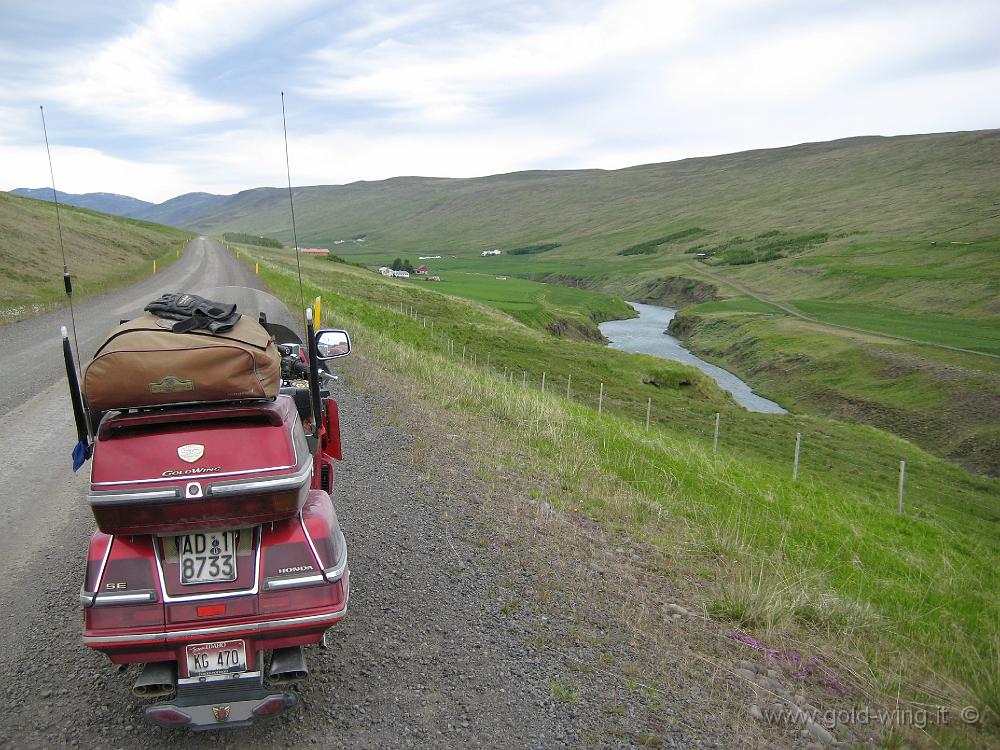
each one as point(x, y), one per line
point(144, 363)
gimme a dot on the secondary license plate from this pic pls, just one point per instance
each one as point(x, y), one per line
point(208, 557)
point(221, 657)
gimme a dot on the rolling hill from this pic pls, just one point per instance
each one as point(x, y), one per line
point(857, 278)
point(109, 203)
point(103, 251)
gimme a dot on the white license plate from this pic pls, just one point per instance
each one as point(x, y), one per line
point(221, 657)
point(208, 557)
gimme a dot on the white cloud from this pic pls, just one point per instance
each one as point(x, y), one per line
point(85, 170)
point(447, 89)
point(138, 80)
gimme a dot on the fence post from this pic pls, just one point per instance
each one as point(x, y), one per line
point(432, 329)
point(463, 354)
point(902, 483)
point(600, 400)
point(524, 378)
point(649, 408)
point(715, 440)
point(543, 382)
point(425, 321)
point(488, 360)
point(798, 448)
point(569, 382)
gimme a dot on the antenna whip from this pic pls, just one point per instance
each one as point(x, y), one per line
point(291, 205)
point(67, 281)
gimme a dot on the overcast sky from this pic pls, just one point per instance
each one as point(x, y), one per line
point(157, 99)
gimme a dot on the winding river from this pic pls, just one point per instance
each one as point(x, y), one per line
point(646, 335)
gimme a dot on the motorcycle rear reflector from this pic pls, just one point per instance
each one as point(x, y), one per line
point(211, 610)
point(167, 716)
point(275, 705)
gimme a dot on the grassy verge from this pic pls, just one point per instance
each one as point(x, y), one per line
point(103, 252)
point(825, 561)
point(946, 402)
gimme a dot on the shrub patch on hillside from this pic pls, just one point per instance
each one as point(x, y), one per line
point(251, 239)
point(651, 246)
point(764, 247)
point(534, 249)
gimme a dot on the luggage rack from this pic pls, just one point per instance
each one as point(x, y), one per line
point(256, 410)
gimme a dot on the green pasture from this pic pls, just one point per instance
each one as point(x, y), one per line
point(915, 594)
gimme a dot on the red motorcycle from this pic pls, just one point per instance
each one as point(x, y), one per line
point(218, 554)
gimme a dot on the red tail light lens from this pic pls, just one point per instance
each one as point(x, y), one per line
point(211, 610)
point(167, 716)
point(274, 705)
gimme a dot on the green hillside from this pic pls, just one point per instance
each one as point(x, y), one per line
point(103, 251)
point(906, 603)
point(850, 274)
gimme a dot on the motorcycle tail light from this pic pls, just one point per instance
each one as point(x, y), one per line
point(272, 706)
point(167, 716)
point(123, 616)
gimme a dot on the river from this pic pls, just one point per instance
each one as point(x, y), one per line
point(646, 335)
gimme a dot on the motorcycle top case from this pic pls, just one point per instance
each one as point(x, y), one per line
point(200, 468)
point(143, 363)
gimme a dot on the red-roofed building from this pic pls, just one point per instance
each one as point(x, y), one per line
point(421, 269)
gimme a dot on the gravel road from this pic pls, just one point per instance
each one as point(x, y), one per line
point(428, 656)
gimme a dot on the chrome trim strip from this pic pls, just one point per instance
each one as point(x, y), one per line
point(335, 573)
point(277, 584)
point(219, 678)
point(118, 498)
point(184, 634)
point(184, 477)
point(312, 546)
point(212, 594)
point(106, 599)
point(87, 597)
point(292, 481)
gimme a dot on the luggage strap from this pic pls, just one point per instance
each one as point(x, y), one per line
point(193, 312)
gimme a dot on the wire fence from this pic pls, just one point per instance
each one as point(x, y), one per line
point(821, 451)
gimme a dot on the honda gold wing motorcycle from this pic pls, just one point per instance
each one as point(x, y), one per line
point(212, 438)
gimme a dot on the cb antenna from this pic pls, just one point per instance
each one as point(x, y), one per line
point(291, 205)
point(67, 281)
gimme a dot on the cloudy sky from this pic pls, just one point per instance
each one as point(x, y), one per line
point(157, 99)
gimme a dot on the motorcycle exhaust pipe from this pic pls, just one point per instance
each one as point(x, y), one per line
point(157, 679)
point(287, 665)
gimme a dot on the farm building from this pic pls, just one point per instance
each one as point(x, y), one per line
point(315, 250)
point(494, 251)
point(401, 274)
point(421, 270)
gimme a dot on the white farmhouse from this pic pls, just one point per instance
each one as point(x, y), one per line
point(385, 271)
point(401, 274)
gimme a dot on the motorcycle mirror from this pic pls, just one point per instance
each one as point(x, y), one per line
point(332, 343)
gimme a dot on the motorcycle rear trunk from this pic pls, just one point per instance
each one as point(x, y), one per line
point(217, 542)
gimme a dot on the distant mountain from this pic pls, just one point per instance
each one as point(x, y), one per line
point(109, 203)
point(183, 209)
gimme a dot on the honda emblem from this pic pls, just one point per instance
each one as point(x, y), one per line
point(191, 452)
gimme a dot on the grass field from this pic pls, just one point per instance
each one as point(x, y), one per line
point(979, 335)
point(103, 252)
point(560, 310)
point(825, 563)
